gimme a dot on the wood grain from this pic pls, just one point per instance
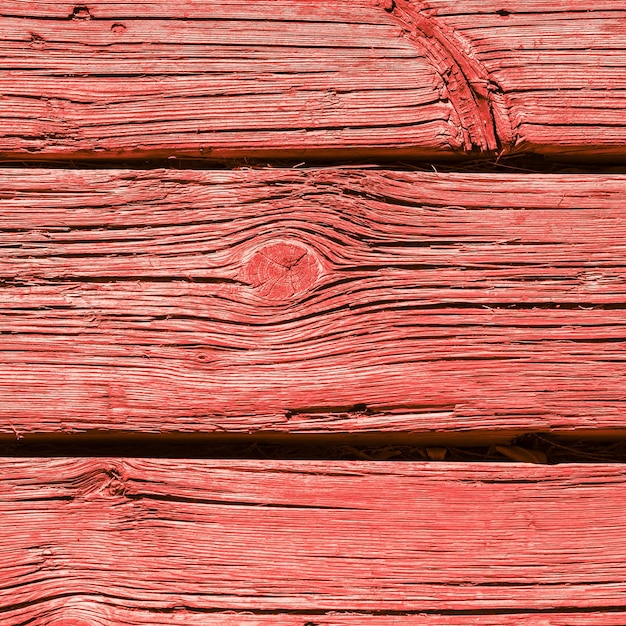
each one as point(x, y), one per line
point(213, 80)
point(310, 79)
point(318, 301)
point(109, 541)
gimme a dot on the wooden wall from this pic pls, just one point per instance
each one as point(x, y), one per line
point(392, 221)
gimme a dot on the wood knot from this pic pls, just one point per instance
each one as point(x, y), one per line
point(282, 270)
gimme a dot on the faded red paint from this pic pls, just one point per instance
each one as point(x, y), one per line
point(318, 301)
point(294, 542)
point(321, 301)
point(319, 80)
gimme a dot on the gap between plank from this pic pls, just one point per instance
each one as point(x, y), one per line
point(481, 447)
point(389, 160)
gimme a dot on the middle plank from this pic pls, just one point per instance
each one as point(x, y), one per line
point(317, 301)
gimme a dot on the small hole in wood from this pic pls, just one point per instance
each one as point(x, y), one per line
point(80, 12)
point(37, 41)
point(503, 13)
point(387, 5)
point(118, 28)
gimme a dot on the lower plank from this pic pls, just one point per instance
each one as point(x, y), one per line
point(109, 541)
point(90, 613)
point(326, 300)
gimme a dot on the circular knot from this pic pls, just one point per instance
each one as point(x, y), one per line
point(282, 270)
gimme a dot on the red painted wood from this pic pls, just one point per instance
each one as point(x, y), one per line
point(118, 615)
point(309, 79)
point(108, 541)
point(329, 300)
point(96, 614)
point(109, 616)
point(217, 79)
point(324, 301)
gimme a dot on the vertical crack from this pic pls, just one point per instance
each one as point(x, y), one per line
point(476, 98)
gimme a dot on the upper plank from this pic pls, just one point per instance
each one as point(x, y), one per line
point(317, 301)
point(310, 79)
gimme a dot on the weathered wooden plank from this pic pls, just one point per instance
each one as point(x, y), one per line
point(116, 616)
point(309, 79)
point(318, 301)
point(95, 614)
point(260, 542)
point(213, 79)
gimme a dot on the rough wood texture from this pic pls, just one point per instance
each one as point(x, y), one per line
point(311, 78)
point(108, 541)
point(329, 300)
point(89, 613)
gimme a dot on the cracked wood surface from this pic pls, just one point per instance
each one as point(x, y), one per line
point(310, 301)
point(106, 541)
point(311, 79)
